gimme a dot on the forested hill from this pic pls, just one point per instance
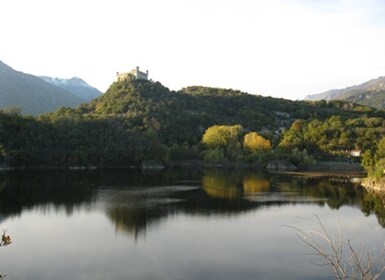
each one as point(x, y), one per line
point(139, 120)
point(184, 115)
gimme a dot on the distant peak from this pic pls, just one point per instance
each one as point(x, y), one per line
point(74, 81)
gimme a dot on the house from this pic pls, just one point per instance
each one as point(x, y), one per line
point(139, 75)
point(355, 153)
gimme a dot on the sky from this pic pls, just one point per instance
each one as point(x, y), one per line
point(278, 48)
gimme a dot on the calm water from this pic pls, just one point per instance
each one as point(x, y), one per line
point(181, 224)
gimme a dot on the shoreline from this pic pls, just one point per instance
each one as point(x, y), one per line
point(325, 173)
point(319, 169)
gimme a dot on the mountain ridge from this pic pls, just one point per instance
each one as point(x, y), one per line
point(31, 94)
point(75, 85)
point(370, 93)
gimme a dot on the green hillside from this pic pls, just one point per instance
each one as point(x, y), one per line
point(184, 115)
point(137, 120)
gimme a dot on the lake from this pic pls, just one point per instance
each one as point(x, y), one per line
point(177, 224)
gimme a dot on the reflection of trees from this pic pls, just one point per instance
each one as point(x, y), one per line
point(68, 189)
point(233, 185)
point(134, 220)
point(255, 183)
point(340, 191)
point(236, 185)
point(23, 190)
point(221, 187)
point(374, 203)
point(140, 201)
point(335, 191)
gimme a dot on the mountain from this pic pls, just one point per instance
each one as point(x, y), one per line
point(74, 85)
point(370, 93)
point(31, 94)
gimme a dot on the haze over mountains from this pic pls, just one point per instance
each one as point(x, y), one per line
point(34, 95)
point(74, 85)
point(370, 93)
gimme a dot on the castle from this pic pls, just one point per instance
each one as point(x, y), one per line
point(134, 72)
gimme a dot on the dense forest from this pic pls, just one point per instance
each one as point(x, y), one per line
point(140, 120)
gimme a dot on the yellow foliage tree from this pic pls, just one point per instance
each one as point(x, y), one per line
point(222, 142)
point(220, 136)
point(253, 142)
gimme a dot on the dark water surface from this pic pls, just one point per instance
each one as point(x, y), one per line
point(177, 224)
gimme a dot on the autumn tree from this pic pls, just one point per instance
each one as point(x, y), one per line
point(222, 142)
point(294, 136)
point(220, 136)
point(253, 142)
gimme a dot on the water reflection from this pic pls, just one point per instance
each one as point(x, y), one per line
point(134, 220)
point(255, 183)
point(134, 202)
point(233, 185)
point(218, 186)
point(211, 224)
point(24, 190)
point(335, 192)
point(374, 203)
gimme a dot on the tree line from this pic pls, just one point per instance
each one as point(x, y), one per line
point(137, 120)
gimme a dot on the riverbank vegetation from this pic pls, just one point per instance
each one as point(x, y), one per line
point(139, 120)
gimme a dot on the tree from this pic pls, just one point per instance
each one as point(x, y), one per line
point(374, 160)
point(222, 142)
point(340, 255)
point(294, 136)
point(380, 152)
point(253, 142)
point(220, 136)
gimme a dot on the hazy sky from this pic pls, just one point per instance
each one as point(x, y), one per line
point(281, 48)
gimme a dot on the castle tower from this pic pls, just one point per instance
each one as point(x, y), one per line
point(139, 74)
point(134, 72)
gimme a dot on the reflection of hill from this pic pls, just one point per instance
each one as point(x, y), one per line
point(69, 189)
point(134, 220)
point(134, 201)
point(133, 209)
